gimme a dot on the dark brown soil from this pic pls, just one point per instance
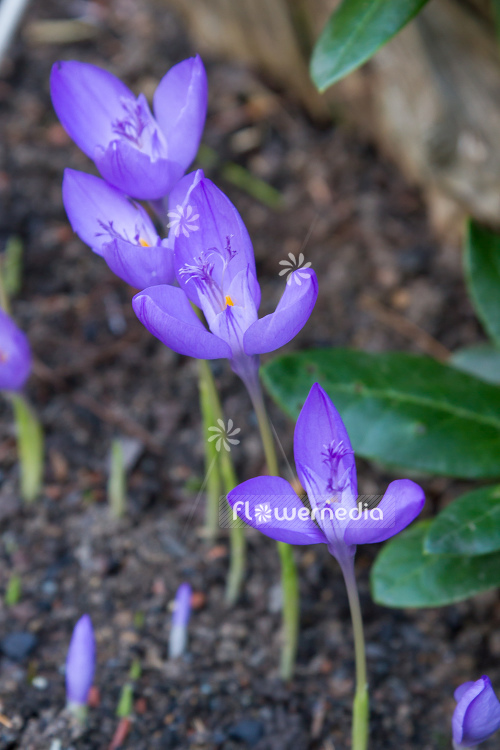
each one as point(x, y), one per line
point(100, 375)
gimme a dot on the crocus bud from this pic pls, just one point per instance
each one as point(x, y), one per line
point(80, 665)
point(477, 715)
point(180, 619)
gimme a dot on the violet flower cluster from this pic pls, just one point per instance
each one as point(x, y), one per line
point(325, 464)
point(208, 257)
point(15, 355)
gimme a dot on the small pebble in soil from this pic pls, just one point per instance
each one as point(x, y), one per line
point(17, 646)
point(247, 730)
point(40, 683)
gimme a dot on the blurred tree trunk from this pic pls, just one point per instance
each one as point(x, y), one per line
point(431, 97)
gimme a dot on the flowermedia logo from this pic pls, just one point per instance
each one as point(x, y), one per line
point(274, 511)
point(225, 436)
point(264, 513)
point(183, 219)
point(295, 269)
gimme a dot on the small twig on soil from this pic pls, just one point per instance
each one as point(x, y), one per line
point(5, 721)
point(405, 327)
point(109, 415)
point(120, 735)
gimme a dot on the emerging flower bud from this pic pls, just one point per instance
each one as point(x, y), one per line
point(477, 715)
point(180, 619)
point(80, 665)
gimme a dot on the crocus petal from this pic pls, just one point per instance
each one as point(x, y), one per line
point(15, 355)
point(401, 504)
point(93, 206)
point(218, 226)
point(141, 267)
point(87, 101)
point(477, 715)
point(270, 505)
point(135, 172)
point(180, 107)
point(231, 323)
point(290, 316)
point(80, 662)
point(462, 689)
point(319, 427)
point(166, 312)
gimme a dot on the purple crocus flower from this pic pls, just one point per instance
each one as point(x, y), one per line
point(80, 663)
point(15, 355)
point(215, 268)
point(141, 154)
point(180, 619)
point(118, 229)
point(477, 714)
point(325, 465)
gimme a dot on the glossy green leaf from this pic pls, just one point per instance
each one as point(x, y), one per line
point(468, 526)
point(354, 32)
point(481, 360)
point(400, 409)
point(482, 269)
point(404, 576)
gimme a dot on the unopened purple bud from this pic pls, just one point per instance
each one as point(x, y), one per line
point(180, 619)
point(80, 662)
point(477, 715)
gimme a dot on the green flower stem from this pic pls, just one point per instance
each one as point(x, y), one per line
point(30, 447)
point(4, 298)
point(225, 468)
point(361, 707)
point(289, 578)
point(212, 471)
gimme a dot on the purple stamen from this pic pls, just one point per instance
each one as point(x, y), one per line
point(132, 126)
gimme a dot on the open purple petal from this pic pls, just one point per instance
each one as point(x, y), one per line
point(80, 662)
point(166, 312)
point(87, 101)
point(271, 505)
point(141, 267)
point(231, 323)
point(15, 355)
point(135, 172)
point(322, 445)
point(213, 227)
point(290, 316)
point(401, 504)
point(100, 213)
point(180, 107)
point(477, 715)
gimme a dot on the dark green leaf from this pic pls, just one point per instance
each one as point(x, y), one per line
point(354, 32)
point(482, 269)
point(400, 409)
point(403, 576)
point(468, 526)
point(481, 360)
